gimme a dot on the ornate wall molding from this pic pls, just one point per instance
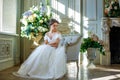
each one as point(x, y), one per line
point(6, 49)
point(109, 22)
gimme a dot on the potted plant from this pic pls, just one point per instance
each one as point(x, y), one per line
point(35, 21)
point(92, 42)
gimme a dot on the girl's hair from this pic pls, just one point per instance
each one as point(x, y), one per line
point(52, 21)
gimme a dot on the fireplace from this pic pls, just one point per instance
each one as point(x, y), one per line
point(111, 38)
point(115, 44)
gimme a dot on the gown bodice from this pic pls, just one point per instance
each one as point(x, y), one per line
point(56, 35)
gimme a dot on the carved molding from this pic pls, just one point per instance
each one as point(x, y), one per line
point(109, 22)
point(5, 48)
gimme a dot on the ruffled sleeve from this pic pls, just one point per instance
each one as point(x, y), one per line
point(59, 36)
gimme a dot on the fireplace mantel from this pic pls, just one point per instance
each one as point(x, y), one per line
point(107, 23)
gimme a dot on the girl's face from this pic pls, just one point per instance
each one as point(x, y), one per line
point(54, 27)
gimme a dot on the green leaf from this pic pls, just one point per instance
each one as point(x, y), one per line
point(89, 43)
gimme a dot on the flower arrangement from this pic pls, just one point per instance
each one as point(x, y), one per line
point(92, 42)
point(112, 8)
point(35, 21)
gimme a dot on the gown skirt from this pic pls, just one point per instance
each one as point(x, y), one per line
point(45, 62)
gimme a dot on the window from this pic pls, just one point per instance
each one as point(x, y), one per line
point(8, 16)
point(69, 11)
point(0, 15)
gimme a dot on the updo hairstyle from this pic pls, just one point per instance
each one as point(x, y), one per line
point(52, 21)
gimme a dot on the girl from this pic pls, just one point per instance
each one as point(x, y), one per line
point(47, 61)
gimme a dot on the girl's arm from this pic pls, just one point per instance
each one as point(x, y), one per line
point(55, 44)
point(45, 38)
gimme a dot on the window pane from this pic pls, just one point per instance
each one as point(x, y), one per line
point(1, 14)
point(9, 16)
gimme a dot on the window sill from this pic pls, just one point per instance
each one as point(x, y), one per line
point(8, 34)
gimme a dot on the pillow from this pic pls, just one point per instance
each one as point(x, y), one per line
point(69, 39)
point(74, 39)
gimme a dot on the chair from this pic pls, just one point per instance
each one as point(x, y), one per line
point(72, 44)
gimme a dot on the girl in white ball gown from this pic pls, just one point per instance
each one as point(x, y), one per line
point(48, 61)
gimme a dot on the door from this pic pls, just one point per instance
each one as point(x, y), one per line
point(92, 14)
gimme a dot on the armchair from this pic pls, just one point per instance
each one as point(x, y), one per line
point(72, 44)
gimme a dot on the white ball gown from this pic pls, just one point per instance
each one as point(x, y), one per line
point(45, 62)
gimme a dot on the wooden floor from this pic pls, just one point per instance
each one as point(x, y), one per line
point(8, 74)
point(99, 73)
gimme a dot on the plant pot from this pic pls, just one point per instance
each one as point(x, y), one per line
point(91, 55)
point(36, 41)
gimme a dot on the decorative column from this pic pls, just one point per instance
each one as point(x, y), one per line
point(105, 60)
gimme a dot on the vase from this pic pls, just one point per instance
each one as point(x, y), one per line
point(36, 41)
point(91, 55)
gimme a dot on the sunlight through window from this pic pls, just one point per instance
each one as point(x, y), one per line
point(58, 6)
point(7, 18)
point(1, 4)
point(85, 27)
point(68, 10)
point(75, 18)
point(112, 77)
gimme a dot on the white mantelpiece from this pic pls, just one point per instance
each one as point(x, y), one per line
point(107, 23)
